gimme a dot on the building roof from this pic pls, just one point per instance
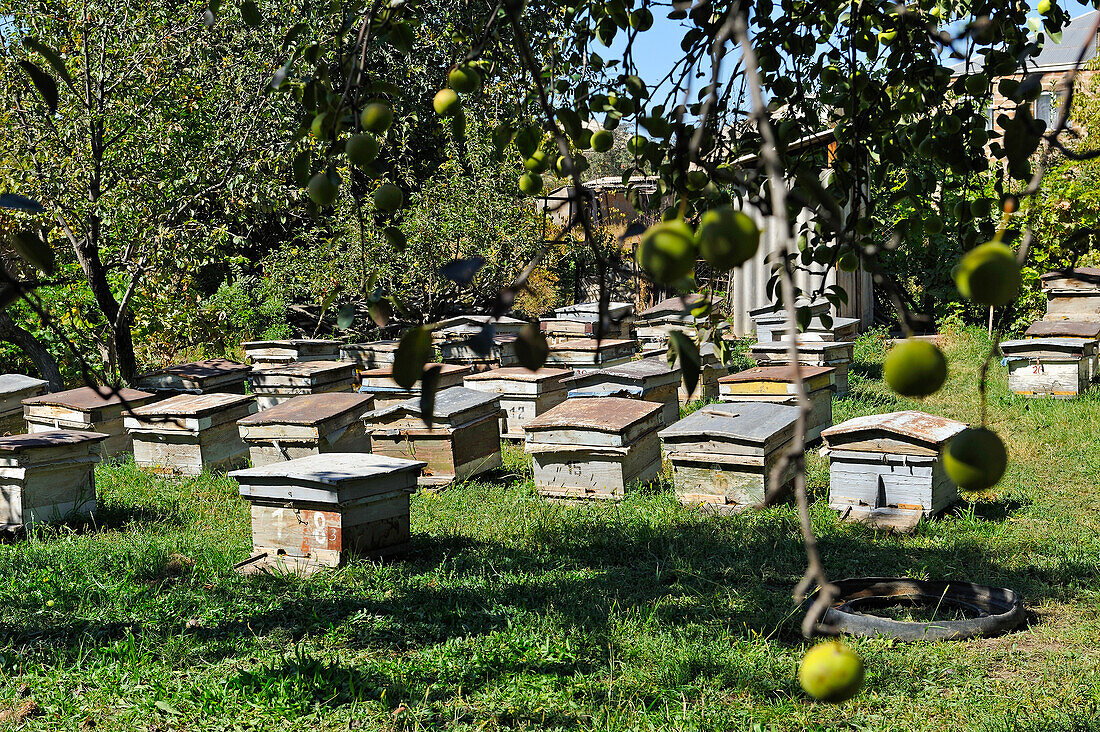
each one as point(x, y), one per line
point(1057, 56)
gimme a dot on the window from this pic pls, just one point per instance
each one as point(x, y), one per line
point(1044, 107)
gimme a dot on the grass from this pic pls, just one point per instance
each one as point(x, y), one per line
point(514, 613)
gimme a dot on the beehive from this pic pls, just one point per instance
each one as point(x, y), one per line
point(307, 425)
point(215, 375)
point(711, 371)
point(267, 354)
point(837, 355)
point(501, 352)
point(650, 379)
point(836, 330)
point(276, 385)
point(14, 388)
point(462, 441)
point(524, 394)
point(320, 510)
point(885, 468)
point(88, 409)
point(1054, 367)
point(773, 316)
point(461, 327)
point(776, 384)
point(723, 455)
point(579, 353)
point(387, 392)
point(1072, 294)
point(48, 476)
point(653, 325)
point(581, 321)
point(368, 356)
point(1084, 331)
point(185, 433)
point(594, 448)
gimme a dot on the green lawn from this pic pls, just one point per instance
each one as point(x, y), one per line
point(511, 612)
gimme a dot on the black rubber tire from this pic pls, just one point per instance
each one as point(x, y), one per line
point(999, 610)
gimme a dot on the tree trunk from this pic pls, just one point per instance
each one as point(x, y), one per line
point(88, 255)
point(26, 342)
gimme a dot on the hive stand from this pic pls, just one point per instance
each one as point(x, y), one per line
point(318, 511)
point(588, 353)
point(188, 432)
point(885, 469)
point(722, 455)
point(1089, 333)
point(776, 384)
point(1072, 294)
point(650, 379)
point(594, 448)
point(307, 425)
point(276, 385)
point(387, 392)
point(524, 394)
point(88, 409)
point(47, 477)
point(214, 375)
point(465, 352)
point(837, 355)
point(268, 354)
point(463, 440)
point(1050, 367)
point(14, 388)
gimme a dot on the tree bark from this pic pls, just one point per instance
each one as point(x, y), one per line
point(38, 353)
point(122, 339)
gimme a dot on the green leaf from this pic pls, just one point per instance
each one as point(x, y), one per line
point(250, 12)
point(531, 347)
point(345, 316)
point(302, 168)
point(53, 58)
point(35, 250)
point(293, 33)
point(44, 83)
point(413, 352)
point(687, 353)
point(429, 384)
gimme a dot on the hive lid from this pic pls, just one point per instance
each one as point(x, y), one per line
point(328, 477)
point(519, 373)
point(454, 405)
point(1062, 329)
point(87, 398)
point(1071, 278)
point(198, 370)
point(781, 374)
point(291, 343)
point(14, 444)
point(758, 423)
point(192, 405)
point(448, 372)
point(607, 414)
point(312, 371)
point(679, 305)
point(311, 409)
point(1036, 346)
point(817, 307)
point(479, 320)
point(371, 347)
point(645, 368)
point(804, 346)
point(591, 344)
point(616, 310)
point(606, 390)
point(926, 429)
point(11, 383)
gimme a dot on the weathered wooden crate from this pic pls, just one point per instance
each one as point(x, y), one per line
point(589, 353)
point(839, 329)
point(368, 356)
point(769, 317)
point(387, 392)
point(14, 388)
point(214, 375)
point(463, 440)
point(594, 448)
point(307, 425)
point(1054, 367)
point(723, 455)
point(88, 409)
point(650, 379)
point(266, 354)
point(1080, 330)
point(1072, 294)
point(580, 321)
point(276, 385)
point(776, 384)
point(712, 371)
point(524, 394)
point(837, 355)
point(465, 352)
point(47, 476)
point(653, 325)
point(885, 469)
point(186, 433)
point(461, 327)
point(320, 510)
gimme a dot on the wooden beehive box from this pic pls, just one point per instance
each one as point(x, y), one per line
point(215, 375)
point(722, 455)
point(886, 469)
point(837, 355)
point(776, 384)
point(266, 354)
point(368, 356)
point(1054, 367)
point(463, 440)
point(768, 318)
point(276, 385)
point(307, 425)
point(88, 409)
point(464, 352)
point(1080, 330)
point(14, 388)
point(1072, 294)
point(186, 433)
point(650, 379)
point(461, 327)
point(387, 392)
point(524, 394)
point(47, 476)
point(712, 370)
point(594, 448)
point(580, 353)
point(839, 329)
point(320, 510)
point(580, 321)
